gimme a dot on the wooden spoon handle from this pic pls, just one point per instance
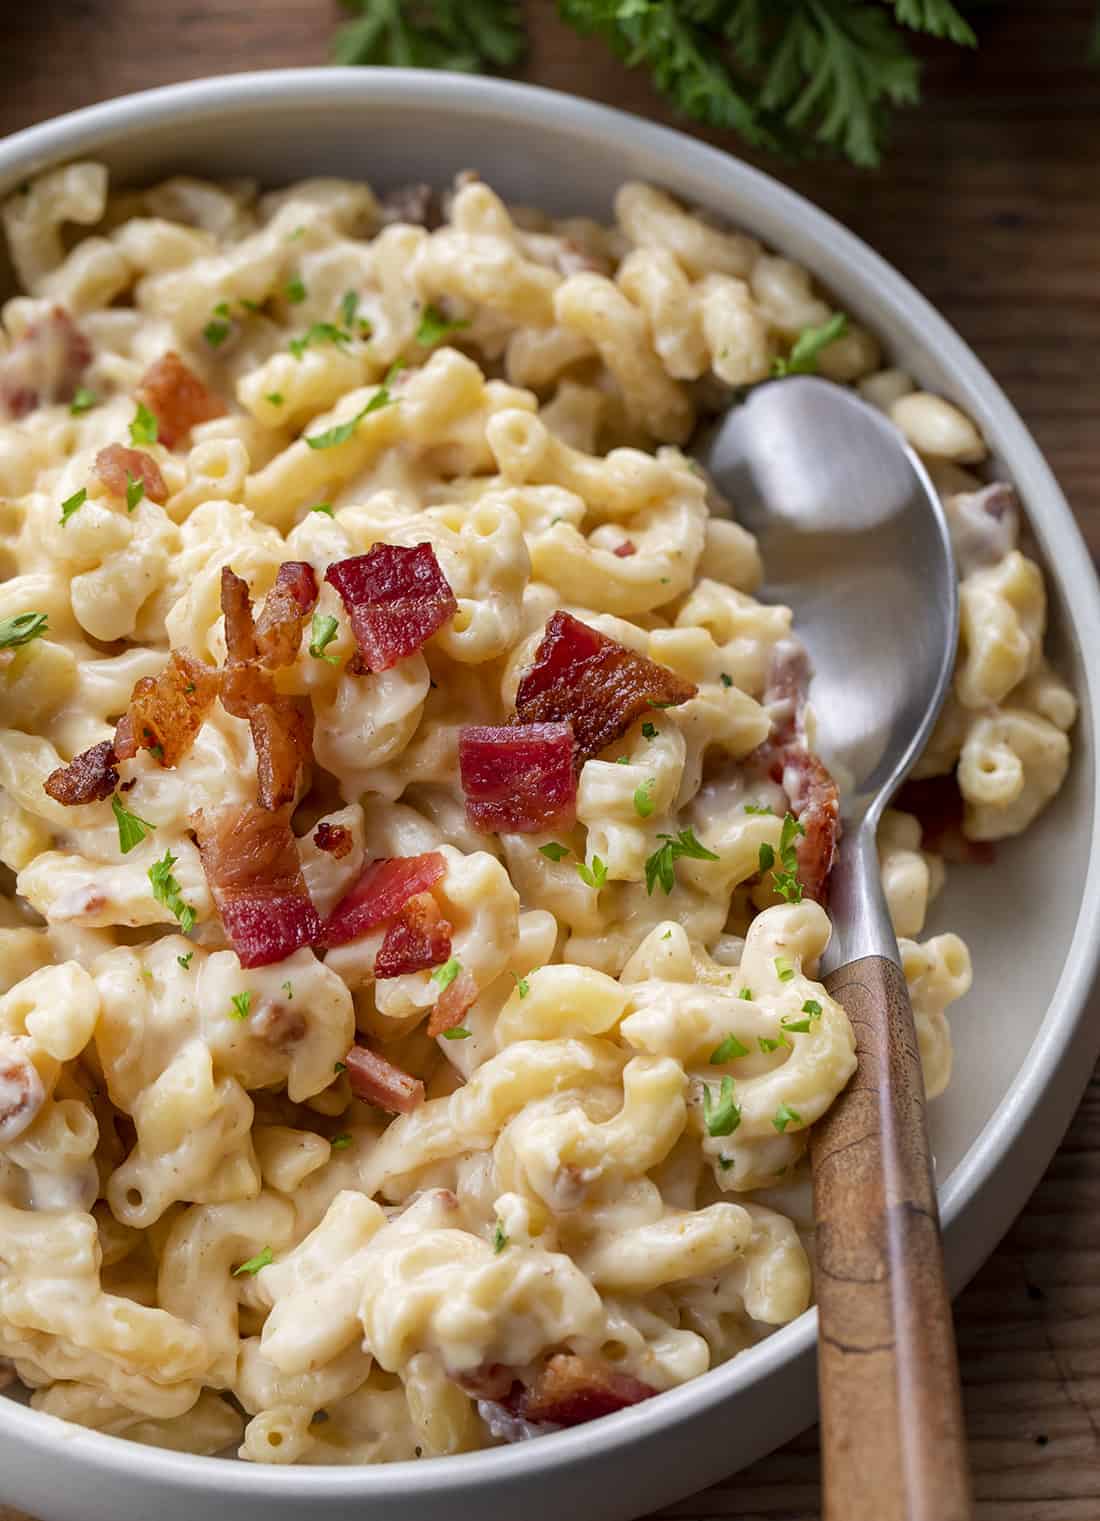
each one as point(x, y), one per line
point(892, 1434)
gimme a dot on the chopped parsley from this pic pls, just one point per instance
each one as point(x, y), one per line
point(727, 679)
point(783, 968)
point(727, 1050)
point(746, 994)
point(254, 1264)
point(643, 798)
point(523, 987)
point(349, 306)
point(661, 865)
point(594, 875)
point(767, 1044)
point(766, 858)
point(83, 401)
point(802, 360)
point(131, 829)
point(649, 731)
point(456, 1032)
point(135, 490)
point(434, 326)
point(319, 332)
point(217, 331)
point(73, 504)
point(785, 1116)
point(339, 1067)
point(275, 398)
point(812, 1007)
point(322, 632)
point(553, 851)
point(341, 1142)
point(144, 428)
point(757, 808)
point(295, 290)
point(22, 629)
point(444, 975)
point(166, 890)
point(332, 437)
point(325, 507)
point(721, 1115)
point(288, 989)
point(500, 1239)
point(185, 961)
point(241, 1002)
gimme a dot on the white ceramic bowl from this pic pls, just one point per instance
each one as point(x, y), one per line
point(1024, 1046)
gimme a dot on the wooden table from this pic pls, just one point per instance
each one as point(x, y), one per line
point(989, 203)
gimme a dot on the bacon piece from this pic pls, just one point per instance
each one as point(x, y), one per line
point(625, 549)
point(582, 676)
point(88, 778)
point(167, 711)
point(278, 629)
point(939, 806)
point(240, 631)
point(396, 599)
point(45, 365)
point(815, 803)
point(334, 839)
point(251, 863)
point(452, 1003)
point(418, 938)
point(282, 734)
point(118, 466)
point(178, 397)
point(377, 1081)
point(570, 1390)
point(518, 777)
point(21, 1091)
point(381, 892)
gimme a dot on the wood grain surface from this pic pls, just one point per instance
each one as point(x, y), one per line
point(990, 203)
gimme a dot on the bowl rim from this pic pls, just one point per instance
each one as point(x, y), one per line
point(1044, 1092)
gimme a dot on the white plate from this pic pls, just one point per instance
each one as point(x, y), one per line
point(1024, 1046)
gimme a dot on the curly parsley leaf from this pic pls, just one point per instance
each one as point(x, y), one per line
point(444, 975)
point(553, 851)
point(73, 504)
point(802, 360)
point(467, 35)
point(144, 428)
point(594, 875)
point(500, 1239)
point(131, 829)
point(22, 629)
point(721, 1115)
point(323, 631)
point(83, 401)
point(434, 326)
point(242, 1003)
point(726, 1050)
point(167, 890)
point(660, 868)
point(785, 1116)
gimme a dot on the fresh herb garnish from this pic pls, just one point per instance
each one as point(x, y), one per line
point(340, 434)
point(341, 1142)
point(812, 1007)
point(444, 975)
point(802, 360)
point(661, 865)
point(721, 1115)
point(319, 332)
point(135, 490)
point(73, 504)
point(83, 401)
point(523, 987)
point(649, 731)
point(275, 398)
point(783, 968)
point(757, 808)
point(217, 331)
point(185, 961)
point(325, 507)
point(746, 994)
point(323, 631)
point(241, 1003)
point(295, 289)
point(131, 829)
point(727, 679)
point(643, 798)
point(456, 1032)
point(166, 890)
point(785, 1116)
point(594, 875)
point(144, 428)
point(254, 1264)
point(349, 306)
point(22, 629)
point(339, 1067)
point(767, 1044)
point(553, 851)
point(288, 989)
point(726, 1050)
point(500, 1239)
point(434, 326)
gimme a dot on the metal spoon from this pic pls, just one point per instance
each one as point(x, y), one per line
point(855, 541)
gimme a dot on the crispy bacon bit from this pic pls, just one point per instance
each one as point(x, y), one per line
point(396, 599)
point(377, 1081)
point(452, 1003)
point(288, 604)
point(88, 778)
point(240, 632)
point(939, 806)
point(178, 398)
point(581, 675)
point(570, 1390)
point(518, 777)
point(625, 549)
point(815, 803)
point(251, 863)
point(117, 466)
point(167, 711)
point(380, 893)
point(335, 839)
point(282, 734)
point(21, 1092)
point(418, 938)
point(45, 365)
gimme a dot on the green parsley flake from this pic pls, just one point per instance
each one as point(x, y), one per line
point(746, 994)
point(275, 398)
point(444, 975)
point(83, 401)
point(22, 629)
point(166, 890)
point(319, 332)
point(802, 360)
point(457, 1032)
point(726, 1051)
point(812, 1008)
point(325, 507)
point(767, 1044)
point(288, 989)
point(73, 504)
point(216, 333)
point(722, 1115)
point(341, 1142)
point(649, 731)
point(144, 428)
point(241, 1002)
point(643, 798)
point(333, 437)
point(725, 1163)
point(553, 851)
point(796, 1026)
point(500, 1239)
point(131, 829)
point(523, 987)
point(783, 969)
point(785, 1116)
point(349, 306)
point(323, 631)
point(661, 865)
point(757, 808)
point(295, 290)
point(185, 961)
point(339, 1067)
point(254, 1264)
point(434, 326)
point(594, 875)
point(766, 858)
point(135, 490)
point(727, 679)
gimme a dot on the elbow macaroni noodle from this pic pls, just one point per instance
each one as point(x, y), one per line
point(197, 1219)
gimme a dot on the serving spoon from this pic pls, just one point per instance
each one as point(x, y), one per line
point(855, 541)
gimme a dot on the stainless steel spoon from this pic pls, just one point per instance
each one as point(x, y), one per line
point(855, 541)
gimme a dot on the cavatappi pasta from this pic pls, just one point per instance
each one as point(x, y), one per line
point(206, 1242)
